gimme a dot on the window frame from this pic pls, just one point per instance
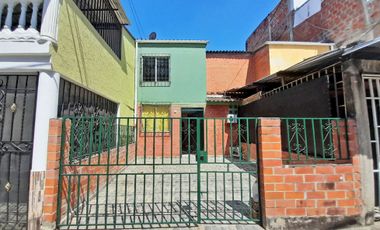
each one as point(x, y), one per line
point(155, 83)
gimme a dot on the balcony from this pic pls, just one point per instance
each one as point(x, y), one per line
point(20, 18)
point(28, 19)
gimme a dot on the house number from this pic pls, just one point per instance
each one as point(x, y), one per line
point(8, 187)
point(13, 107)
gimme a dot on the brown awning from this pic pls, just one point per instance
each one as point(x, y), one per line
point(119, 11)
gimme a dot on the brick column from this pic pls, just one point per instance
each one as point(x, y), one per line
point(270, 159)
point(52, 173)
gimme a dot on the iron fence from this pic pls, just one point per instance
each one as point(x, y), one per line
point(315, 139)
point(157, 172)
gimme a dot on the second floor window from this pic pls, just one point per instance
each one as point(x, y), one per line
point(155, 71)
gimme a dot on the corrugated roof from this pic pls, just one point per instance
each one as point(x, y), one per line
point(119, 11)
point(228, 51)
point(366, 50)
point(220, 99)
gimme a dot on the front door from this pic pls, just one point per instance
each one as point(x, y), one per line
point(189, 130)
point(17, 110)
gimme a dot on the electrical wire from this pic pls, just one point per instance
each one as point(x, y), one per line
point(139, 26)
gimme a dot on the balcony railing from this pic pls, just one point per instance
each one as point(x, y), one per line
point(21, 15)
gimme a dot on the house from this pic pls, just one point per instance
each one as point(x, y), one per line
point(172, 83)
point(338, 82)
point(57, 58)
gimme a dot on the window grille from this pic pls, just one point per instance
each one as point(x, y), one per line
point(103, 18)
point(155, 71)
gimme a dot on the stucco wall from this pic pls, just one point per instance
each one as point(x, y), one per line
point(84, 58)
point(187, 74)
point(274, 57)
point(285, 56)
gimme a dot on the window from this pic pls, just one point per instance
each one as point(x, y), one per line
point(155, 71)
point(233, 109)
point(298, 3)
point(306, 10)
point(155, 118)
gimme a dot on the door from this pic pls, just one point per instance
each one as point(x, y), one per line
point(17, 109)
point(189, 130)
point(372, 91)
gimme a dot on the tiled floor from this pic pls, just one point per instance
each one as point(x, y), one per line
point(168, 197)
point(13, 216)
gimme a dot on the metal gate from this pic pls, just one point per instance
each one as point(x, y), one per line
point(17, 110)
point(134, 172)
point(372, 91)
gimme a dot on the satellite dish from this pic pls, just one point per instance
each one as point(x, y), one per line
point(153, 36)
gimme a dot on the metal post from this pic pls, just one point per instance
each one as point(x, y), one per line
point(198, 172)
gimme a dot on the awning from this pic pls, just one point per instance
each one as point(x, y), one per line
point(119, 11)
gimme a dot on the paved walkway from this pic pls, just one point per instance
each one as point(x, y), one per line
point(167, 197)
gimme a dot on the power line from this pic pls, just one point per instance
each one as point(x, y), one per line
point(137, 19)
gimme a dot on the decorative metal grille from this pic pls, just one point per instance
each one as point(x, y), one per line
point(17, 110)
point(155, 71)
point(102, 16)
point(79, 102)
point(315, 139)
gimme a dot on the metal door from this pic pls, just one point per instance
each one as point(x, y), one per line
point(17, 111)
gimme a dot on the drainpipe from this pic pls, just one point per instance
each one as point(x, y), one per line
point(136, 78)
point(367, 18)
point(290, 19)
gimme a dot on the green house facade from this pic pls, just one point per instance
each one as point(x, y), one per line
point(171, 73)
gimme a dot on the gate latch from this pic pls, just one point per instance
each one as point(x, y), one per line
point(8, 186)
point(202, 157)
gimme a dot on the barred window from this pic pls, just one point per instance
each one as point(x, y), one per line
point(155, 71)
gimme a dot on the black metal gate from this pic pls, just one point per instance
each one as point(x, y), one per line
point(132, 172)
point(17, 111)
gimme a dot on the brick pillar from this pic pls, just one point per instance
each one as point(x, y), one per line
point(270, 158)
point(52, 173)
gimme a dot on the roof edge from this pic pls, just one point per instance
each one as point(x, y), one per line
point(228, 52)
point(172, 41)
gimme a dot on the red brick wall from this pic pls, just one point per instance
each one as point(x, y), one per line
point(318, 195)
point(341, 22)
point(219, 141)
point(52, 172)
point(228, 70)
point(261, 64)
point(215, 141)
point(87, 184)
point(166, 144)
point(214, 129)
point(279, 28)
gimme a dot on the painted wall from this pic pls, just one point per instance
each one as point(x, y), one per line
point(285, 56)
point(187, 74)
point(274, 57)
point(84, 58)
point(228, 70)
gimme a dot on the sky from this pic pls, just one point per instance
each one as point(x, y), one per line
point(226, 24)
